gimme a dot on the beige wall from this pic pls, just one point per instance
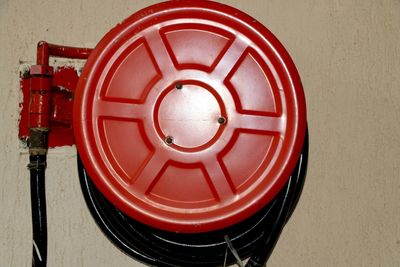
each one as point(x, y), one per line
point(348, 54)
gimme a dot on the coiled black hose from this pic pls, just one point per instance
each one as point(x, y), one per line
point(255, 237)
point(37, 168)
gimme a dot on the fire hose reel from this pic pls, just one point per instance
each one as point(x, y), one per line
point(190, 124)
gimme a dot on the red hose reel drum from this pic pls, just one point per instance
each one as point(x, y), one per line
point(189, 116)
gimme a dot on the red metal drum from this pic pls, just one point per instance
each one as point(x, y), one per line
point(189, 116)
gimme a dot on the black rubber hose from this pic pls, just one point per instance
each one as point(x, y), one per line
point(254, 237)
point(37, 168)
point(288, 198)
point(158, 248)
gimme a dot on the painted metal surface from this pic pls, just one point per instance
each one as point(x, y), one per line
point(189, 116)
point(59, 112)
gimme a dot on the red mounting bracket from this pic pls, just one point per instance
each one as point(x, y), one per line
point(48, 94)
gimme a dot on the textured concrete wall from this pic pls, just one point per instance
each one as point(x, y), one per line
point(348, 54)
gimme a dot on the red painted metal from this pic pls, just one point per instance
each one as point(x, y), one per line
point(189, 116)
point(45, 50)
point(59, 111)
point(48, 95)
point(41, 70)
point(39, 103)
point(23, 129)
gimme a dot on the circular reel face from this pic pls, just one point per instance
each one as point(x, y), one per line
point(189, 116)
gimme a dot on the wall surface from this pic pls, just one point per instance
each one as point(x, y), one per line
point(348, 55)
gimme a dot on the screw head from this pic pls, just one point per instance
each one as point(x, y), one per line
point(221, 120)
point(24, 142)
point(179, 86)
point(169, 140)
point(25, 73)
